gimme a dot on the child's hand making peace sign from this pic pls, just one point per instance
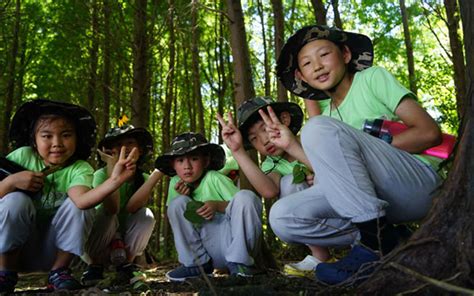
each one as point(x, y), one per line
point(230, 133)
point(280, 134)
point(126, 165)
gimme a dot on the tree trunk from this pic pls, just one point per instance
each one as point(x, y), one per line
point(266, 63)
point(243, 84)
point(279, 27)
point(93, 57)
point(196, 72)
point(337, 16)
point(409, 48)
point(10, 94)
point(443, 246)
point(106, 76)
point(140, 99)
point(169, 98)
point(319, 12)
point(452, 15)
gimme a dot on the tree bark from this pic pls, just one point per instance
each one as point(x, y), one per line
point(452, 15)
point(196, 71)
point(443, 247)
point(106, 76)
point(10, 94)
point(243, 84)
point(266, 65)
point(169, 98)
point(93, 56)
point(141, 84)
point(279, 28)
point(337, 16)
point(409, 48)
point(319, 12)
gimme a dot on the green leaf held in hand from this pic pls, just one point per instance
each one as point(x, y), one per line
point(190, 213)
point(299, 174)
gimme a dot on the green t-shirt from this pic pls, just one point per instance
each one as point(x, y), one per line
point(279, 165)
point(213, 186)
point(56, 184)
point(374, 93)
point(230, 162)
point(126, 190)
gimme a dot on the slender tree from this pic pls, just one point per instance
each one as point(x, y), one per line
point(279, 28)
point(319, 12)
point(196, 77)
point(169, 99)
point(106, 73)
point(10, 95)
point(457, 54)
point(141, 83)
point(243, 84)
point(93, 56)
point(337, 15)
point(409, 48)
point(266, 63)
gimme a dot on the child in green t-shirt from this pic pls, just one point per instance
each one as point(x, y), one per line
point(52, 141)
point(224, 226)
point(365, 181)
point(123, 224)
point(275, 176)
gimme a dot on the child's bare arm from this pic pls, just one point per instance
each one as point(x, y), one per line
point(265, 186)
point(25, 180)
point(85, 198)
point(140, 198)
point(423, 131)
point(313, 108)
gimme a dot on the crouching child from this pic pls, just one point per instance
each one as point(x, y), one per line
point(230, 226)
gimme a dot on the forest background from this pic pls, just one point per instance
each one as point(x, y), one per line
point(171, 65)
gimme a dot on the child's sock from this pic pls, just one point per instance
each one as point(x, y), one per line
point(378, 231)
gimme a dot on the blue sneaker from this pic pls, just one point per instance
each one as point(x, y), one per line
point(8, 280)
point(181, 273)
point(61, 279)
point(334, 273)
point(239, 269)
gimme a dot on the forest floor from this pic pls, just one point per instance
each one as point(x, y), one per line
point(271, 282)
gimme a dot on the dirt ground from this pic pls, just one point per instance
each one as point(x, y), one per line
point(271, 282)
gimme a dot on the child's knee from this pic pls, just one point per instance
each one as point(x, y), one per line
point(247, 198)
point(316, 126)
point(17, 204)
point(178, 205)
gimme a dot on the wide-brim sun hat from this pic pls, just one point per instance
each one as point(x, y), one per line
point(360, 46)
point(186, 143)
point(247, 114)
point(23, 123)
point(143, 137)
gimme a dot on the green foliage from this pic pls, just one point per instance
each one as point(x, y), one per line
point(190, 213)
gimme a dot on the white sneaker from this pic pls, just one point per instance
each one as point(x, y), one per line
point(303, 268)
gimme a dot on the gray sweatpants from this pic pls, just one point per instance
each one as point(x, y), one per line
point(358, 178)
point(229, 237)
point(67, 231)
point(138, 230)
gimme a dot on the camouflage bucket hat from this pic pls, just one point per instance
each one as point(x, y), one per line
point(247, 114)
point(360, 45)
point(143, 137)
point(24, 120)
point(186, 143)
